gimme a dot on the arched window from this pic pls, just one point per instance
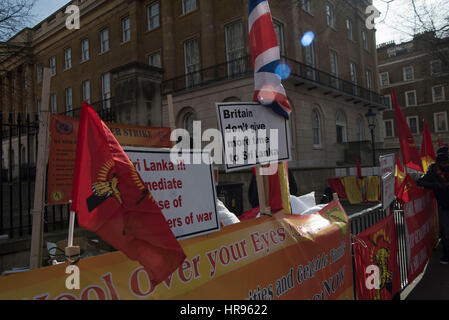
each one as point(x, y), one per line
point(188, 125)
point(341, 126)
point(359, 127)
point(316, 128)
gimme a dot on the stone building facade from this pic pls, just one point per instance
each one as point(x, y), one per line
point(129, 55)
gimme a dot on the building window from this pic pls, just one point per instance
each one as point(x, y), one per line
point(39, 73)
point(440, 121)
point(435, 67)
point(188, 125)
point(306, 6)
point(126, 29)
point(438, 93)
point(410, 98)
point(330, 15)
point(334, 68)
point(155, 60)
point(368, 79)
point(153, 16)
point(310, 61)
point(86, 91)
point(408, 73)
point(353, 75)
point(341, 127)
point(413, 124)
point(68, 102)
point(389, 132)
point(235, 48)
point(67, 58)
point(359, 129)
point(384, 79)
point(192, 62)
point(279, 29)
point(365, 40)
point(53, 66)
point(316, 128)
point(39, 105)
point(104, 40)
point(387, 99)
point(349, 28)
point(188, 5)
point(53, 103)
point(85, 50)
point(106, 90)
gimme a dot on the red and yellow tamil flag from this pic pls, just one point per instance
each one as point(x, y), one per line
point(399, 175)
point(427, 151)
point(111, 200)
point(410, 154)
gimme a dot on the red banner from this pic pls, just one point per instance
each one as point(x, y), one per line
point(421, 225)
point(376, 262)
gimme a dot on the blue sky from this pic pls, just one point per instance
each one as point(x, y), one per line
point(44, 8)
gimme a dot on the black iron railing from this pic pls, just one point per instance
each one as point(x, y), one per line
point(106, 110)
point(242, 67)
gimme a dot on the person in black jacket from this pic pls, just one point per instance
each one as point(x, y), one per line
point(253, 196)
point(437, 179)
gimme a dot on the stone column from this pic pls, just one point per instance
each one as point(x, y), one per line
point(138, 94)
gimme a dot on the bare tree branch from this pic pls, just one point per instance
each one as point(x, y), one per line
point(14, 16)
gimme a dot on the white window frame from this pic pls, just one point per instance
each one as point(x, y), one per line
point(306, 5)
point(104, 41)
point(54, 103)
point(431, 69)
point(404, 73)
point(69, 101)
point(333, 60)
point(407, 102)
point(417, 124)
point(353, 76)
point(390, 102)
point(330, 15)
point(359, 128)
point(151, 18)
point(443, 98)
point(349, 28)
point(315, 145)
point(365, 40)
point(85, 54)
point(186, 9)
point(191, 69)
point(369, 79)
point(39, 73)
point(235, 67)
point(279, 29)
point(392, 128)
point(106, 90)
point(310, 60)
point(126, 29)
point(436, 122)
point(86, 90)
point(67, 58)
point(382, 84)
point(151, 59)
point(52, 63)
point(343, 124)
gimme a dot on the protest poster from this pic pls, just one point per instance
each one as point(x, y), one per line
point(377, 248)
point(252, 135)
point(177, 188)
point(63, 138)
point(285, 257)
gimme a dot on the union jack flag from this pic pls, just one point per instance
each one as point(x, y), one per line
point(268, 89)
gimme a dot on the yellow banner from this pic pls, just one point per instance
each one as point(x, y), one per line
point(285, 257)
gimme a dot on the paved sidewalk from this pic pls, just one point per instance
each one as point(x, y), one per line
point(434, 284)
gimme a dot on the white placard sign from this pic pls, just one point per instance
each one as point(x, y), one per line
point(387, 164)
point(184, 192)
point(252, 135)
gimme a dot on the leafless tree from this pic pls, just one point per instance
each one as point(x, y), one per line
point(14, 16)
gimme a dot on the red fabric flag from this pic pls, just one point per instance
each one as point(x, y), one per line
point(378, 247)
point(399, 175)
point(111, 200)
point(410, 154)
point(427, 151)
point(408, 189)
point(359, 168)
point(337, 186)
